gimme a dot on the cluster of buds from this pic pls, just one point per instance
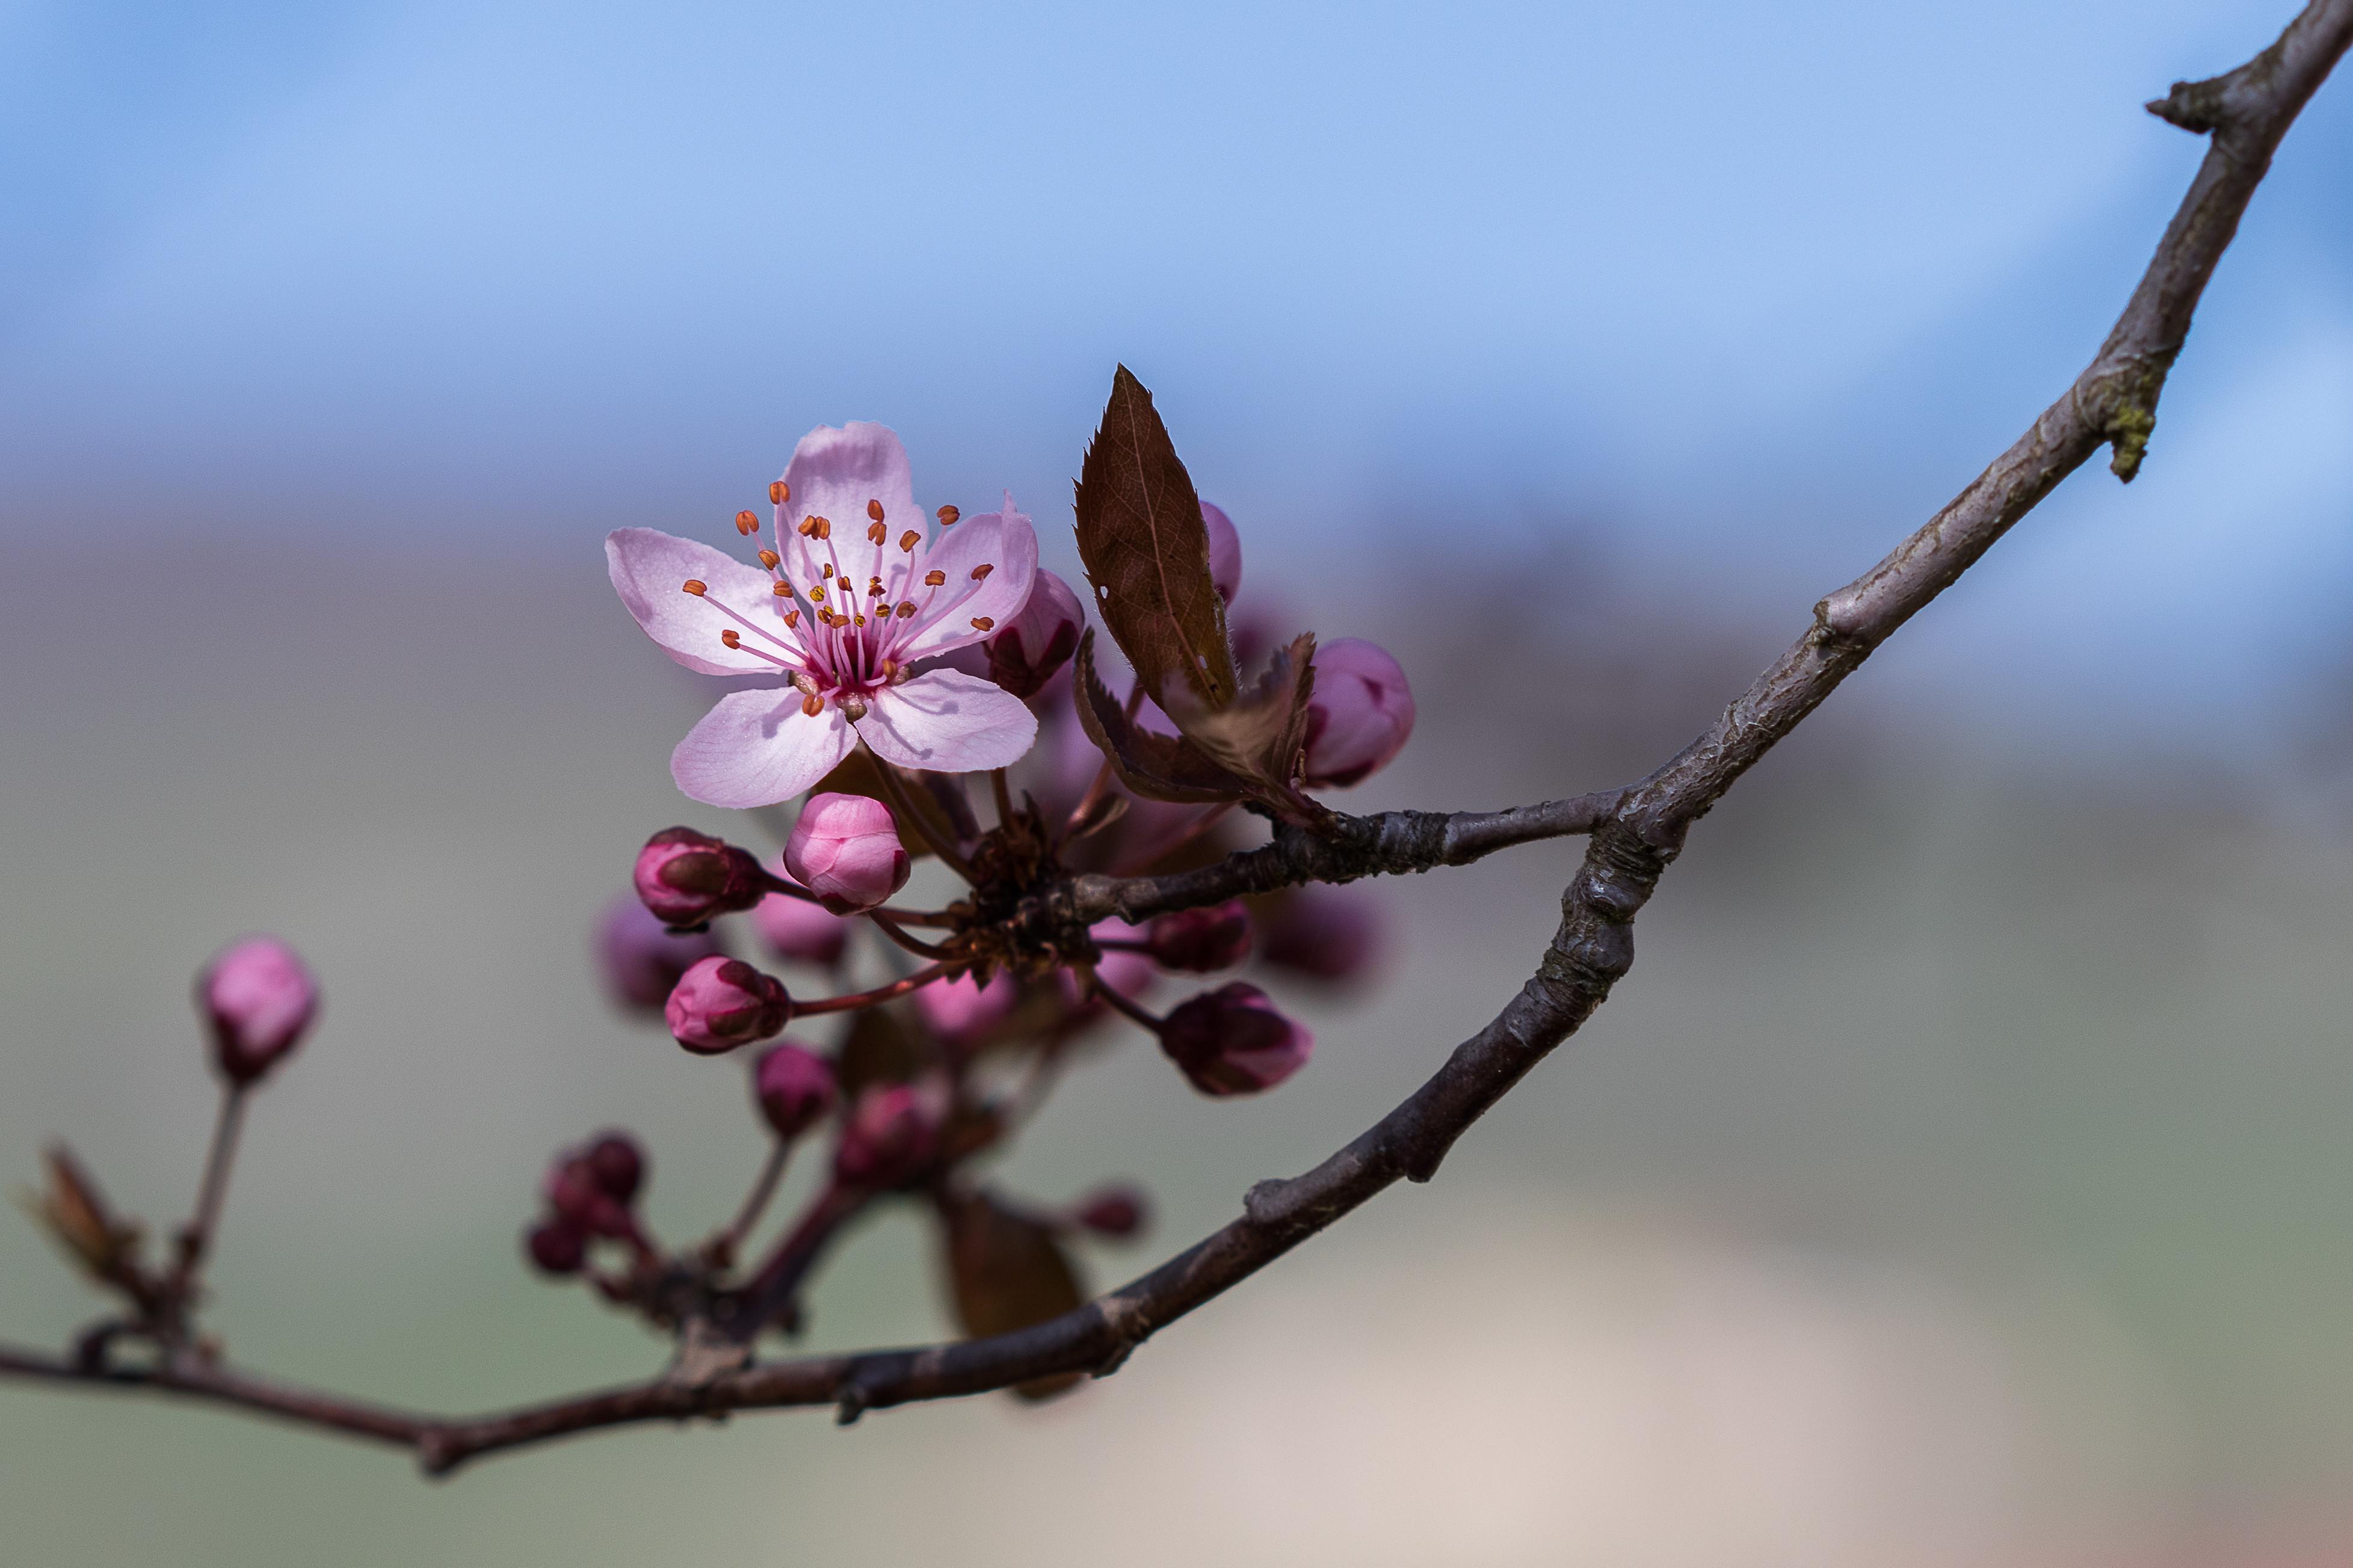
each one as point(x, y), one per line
point(590, 1193)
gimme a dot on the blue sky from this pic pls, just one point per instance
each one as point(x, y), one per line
point(1752, 285)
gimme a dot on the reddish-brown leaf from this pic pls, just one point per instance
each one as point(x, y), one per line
point(1156, 766)
point(1259, 735)
point(1006, 1271)
point(1148, 553)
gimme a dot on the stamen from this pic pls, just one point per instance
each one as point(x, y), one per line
point(982, 623)
point(825, 572)
point(906, 609)
point(874, 510)
point(908, 539)
point(747, 524)
point(852, 708)
point(696, 587)
point(803, 684)
point(982, 570)
point(947, 516)
point(876, 533)
point(778, 493)
point(823, 528)
point(807, 527)
point(769, 558)
point(816, 595)
point(792, 619)
point(731, 637)
point(812, 706)
point(874, 587)
point(931, 580)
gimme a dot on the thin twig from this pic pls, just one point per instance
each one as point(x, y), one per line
point(1635, 834)
point(212, 1190)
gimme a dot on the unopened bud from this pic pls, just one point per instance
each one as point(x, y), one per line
point(1233, 1041)
point(723, 1003)
point(580, 1200)
point(1327, 933)
point(795, 1088)
point(687, 877)
point(798, 930)
point(259, 1000)
point(845, 848)
point(641, 958)
point(1117, 1212)
point(1360, 714)
point(1201, 940)
point(891, 1135)
point(618, 1166)
point(1039, 641)
point(1225, 552)
point(556, 1247)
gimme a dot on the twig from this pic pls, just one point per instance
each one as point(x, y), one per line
point(880, 994)
point(1634, 835)
point(196, 1236)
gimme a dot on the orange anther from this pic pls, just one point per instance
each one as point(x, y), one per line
point(778, 493)
point(769, 558)
point(812, 706)
point(746, 523)
point(696, 587)
point(982, 623)
point(933, 579)
point(906, 609)
point(876, 533)
point(948, 514)
point(908, 539)
point(874, 509)
point(731, 637)
point(982, 570)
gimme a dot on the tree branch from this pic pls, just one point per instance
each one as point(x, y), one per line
point(1634, 834)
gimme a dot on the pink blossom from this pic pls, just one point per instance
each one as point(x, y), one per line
point(845, 848)
point(723, 1003)
point(797, 929)
point(1360, 715)
point(854, 591)
point(1024, 656)
point(1225, 552)
point(1232, 1041)
point(259, 1000)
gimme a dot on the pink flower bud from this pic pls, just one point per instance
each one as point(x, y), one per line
point(1328, 933)
point(258, 999)
point(641, 958)
point(892, 1134)
point(845, 848)
point(795, 1088)
point(797, 929)
point(556, 1247)
point(1201, 940)
point(1232, 1041)
point(1225, 552)
point(686, 878)
point(1039, 641)
point(960, 1011)
point(1360, 715)
point(723, 1003)
point(1118, 1212)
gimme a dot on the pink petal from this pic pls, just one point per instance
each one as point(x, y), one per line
point(833, 474)
point(649, 569)
point(948, 721)
point(1006, 544)
point(756, 748)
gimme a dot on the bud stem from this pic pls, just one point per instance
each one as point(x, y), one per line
point(756, 1202)
point(892, 929)
point(881, 993)
point(1121, 1003)
point(195, 1237)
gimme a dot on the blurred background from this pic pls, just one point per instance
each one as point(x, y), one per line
point(1960, 1177)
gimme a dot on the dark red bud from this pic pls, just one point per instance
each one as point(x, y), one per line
point(1117, 1212)
point(556, 1247)
point(891, 1136)
point(1232, 1041)
point(618, 1166)
point(1202, 942)
point(795, 1088)
point(1328, 933)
